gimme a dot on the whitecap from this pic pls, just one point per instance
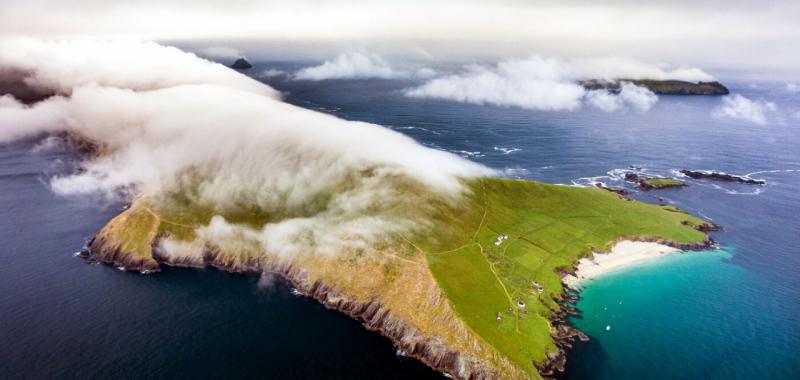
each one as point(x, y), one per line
point(772, 171)
point(467, 153)
point(507, 150)
point(411, 127)
point(757, 190)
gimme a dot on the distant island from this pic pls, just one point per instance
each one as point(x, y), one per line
point(241, 64)
point(661, 87)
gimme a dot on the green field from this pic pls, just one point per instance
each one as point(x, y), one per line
point(548, 228)
point(663, 182)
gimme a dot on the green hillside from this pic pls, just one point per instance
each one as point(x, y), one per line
point(496, 254)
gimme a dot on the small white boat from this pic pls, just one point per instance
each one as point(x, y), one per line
point(608, 327)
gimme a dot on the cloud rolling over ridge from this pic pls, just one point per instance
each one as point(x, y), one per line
point(169, 121)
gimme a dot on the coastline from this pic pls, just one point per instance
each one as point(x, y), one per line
point(378, 317)
point(374, 315)
point(436, 346)
point(624, 254)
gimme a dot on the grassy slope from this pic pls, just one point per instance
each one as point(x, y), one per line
point(548, 227)
point(132, 231)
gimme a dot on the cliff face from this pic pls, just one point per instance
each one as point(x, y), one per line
point(413, 313)
point(127, 240)
point(431, 350)
point(106, 250)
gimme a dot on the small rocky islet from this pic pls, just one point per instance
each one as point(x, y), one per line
point(720, 176)
point(652, 183)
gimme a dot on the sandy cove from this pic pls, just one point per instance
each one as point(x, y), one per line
point(623, 254)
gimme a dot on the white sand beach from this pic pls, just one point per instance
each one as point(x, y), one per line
point(623, 254)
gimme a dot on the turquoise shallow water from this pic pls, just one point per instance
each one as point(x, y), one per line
point(675, 312)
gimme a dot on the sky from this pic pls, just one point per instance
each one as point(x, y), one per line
point(749, 34)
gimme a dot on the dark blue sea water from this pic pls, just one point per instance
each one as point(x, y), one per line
point(729, 314)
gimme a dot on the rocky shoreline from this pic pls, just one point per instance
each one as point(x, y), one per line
point(566, 335)
point(373, 315)
point(98, 249)
point(620, 192)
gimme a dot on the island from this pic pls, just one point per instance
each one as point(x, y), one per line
point(476, 294)
point(651, 183)
point(241, 64)
point(462, 270)
point(660, 87)
point(696, 174)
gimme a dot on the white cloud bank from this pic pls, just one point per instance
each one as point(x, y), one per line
point(271, 73)
point(630, 95)
point(739, 107)
point(221, 52)
point(168, 121)
point(624, 68)
point(349, 65)
point(550, 84)
point(63, 66)
point(358, 65)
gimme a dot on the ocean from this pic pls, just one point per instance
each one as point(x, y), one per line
point(733, 313)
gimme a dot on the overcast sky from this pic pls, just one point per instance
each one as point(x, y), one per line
point(750, 34)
